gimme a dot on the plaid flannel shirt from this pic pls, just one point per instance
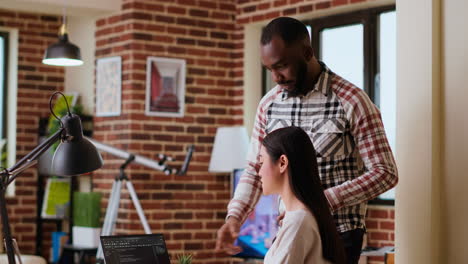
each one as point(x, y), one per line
point(354, 158)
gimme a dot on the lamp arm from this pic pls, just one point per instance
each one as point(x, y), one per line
point(30, 158)
point(8, 176)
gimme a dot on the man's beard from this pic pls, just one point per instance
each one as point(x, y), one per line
point(299, 86)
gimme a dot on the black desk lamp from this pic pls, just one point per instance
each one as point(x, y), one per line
point(75, 155)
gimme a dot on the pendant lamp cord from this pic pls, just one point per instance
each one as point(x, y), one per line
point(64, 14)
point(50, 106)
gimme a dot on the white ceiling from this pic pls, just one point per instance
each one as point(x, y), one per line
point(55, 7)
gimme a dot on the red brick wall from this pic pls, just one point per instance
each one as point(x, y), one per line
point(380, 224)
point(186, 209)
point(36, 82)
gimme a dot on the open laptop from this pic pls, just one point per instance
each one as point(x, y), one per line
point(135, 249)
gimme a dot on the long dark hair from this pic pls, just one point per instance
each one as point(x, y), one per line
point(305, 183)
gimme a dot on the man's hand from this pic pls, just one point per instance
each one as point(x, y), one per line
point(279, 219)
point(226, 236)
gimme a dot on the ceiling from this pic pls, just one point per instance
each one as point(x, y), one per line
point(55, 7)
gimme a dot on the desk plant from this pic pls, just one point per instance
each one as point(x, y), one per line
point(86, 219)
point(184, 259)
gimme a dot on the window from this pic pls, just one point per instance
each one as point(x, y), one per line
point(3, 94)
point(8, 94)
point(338, 56)
point(385, 93)
point(361, 47)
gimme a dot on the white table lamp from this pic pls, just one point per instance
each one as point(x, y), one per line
point(229, 149)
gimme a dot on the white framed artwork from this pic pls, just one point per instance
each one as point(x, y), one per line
point(165, 87)
point(108, 86)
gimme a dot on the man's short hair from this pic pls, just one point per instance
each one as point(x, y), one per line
point(289, 29)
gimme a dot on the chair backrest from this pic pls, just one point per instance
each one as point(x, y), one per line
point(27, 259)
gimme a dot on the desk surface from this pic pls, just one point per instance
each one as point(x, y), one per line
point(26, 259)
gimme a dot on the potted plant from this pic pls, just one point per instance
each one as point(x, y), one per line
point(86, 219)
point(184, 259)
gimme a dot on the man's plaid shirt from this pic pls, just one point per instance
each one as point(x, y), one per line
point(354, 158)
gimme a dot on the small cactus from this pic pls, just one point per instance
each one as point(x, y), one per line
point(185, 259)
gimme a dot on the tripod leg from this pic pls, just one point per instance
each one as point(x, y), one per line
point(115, 208)
point(106, 227)
point(108, 210)
point(137, 205)
point(99, 254)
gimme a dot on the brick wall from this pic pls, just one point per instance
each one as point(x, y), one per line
point(186, 209)
point(36, 82)
point(380, 224)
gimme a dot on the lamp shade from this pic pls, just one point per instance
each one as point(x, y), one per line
point(75, 155)
point(63, 53)
point(229, 149)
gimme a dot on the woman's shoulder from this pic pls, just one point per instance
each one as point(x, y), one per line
point(301, 224)
point(303, 216)
point(299, 241)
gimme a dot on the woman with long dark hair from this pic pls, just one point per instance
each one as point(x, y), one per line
point(289, 168)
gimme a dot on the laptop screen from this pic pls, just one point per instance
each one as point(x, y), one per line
point(135, 249)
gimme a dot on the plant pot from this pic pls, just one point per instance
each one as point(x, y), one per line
point(87, 237)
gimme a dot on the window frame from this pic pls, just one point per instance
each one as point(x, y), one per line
point(6, 54)
point(366, 17)
point(12, 100)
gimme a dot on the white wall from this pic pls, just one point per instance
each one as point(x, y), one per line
point(417, 140)
point(81, 78)
point(81, 16)
point(431, 200)
point(252, 82)
point(455, 159)
point(417, 213)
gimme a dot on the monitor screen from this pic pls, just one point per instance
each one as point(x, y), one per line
point(257, 233)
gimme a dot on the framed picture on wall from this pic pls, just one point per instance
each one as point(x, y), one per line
point(165, 87)
point(108, 86)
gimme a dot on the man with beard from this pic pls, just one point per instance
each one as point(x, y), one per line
point(354, 158)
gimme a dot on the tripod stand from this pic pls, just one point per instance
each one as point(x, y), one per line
point(113, 205)
point(114, 199)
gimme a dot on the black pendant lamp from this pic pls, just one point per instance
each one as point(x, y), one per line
point(63, 52)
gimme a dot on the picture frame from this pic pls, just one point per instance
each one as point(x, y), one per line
point(56, 200)
point(165, 87)
point(108, 86)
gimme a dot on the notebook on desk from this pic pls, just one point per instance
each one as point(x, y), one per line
point(135, 249)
